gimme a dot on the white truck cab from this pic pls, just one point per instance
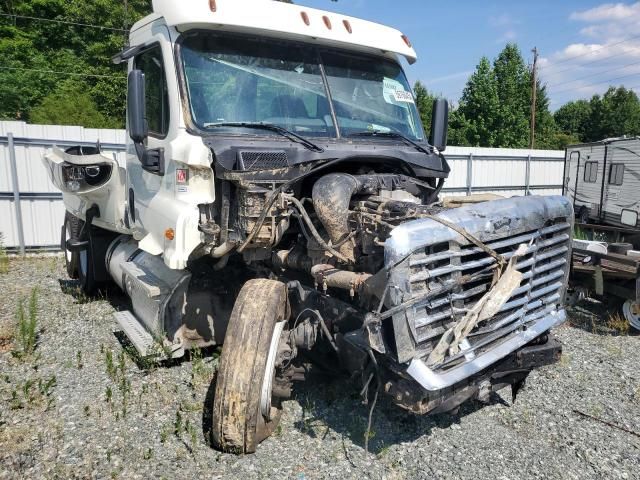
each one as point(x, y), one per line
point(280, 197)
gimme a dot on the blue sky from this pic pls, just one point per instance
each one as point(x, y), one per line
point(583, 44)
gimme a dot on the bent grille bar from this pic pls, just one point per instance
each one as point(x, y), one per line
point(436, 276)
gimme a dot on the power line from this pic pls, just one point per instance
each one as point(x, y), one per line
point(596, 83)
point(65, 22)
point(592, 51)
point(61, 73)
point(587, 63)
point(594, 75)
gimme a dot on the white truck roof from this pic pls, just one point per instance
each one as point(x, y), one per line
point(282, 20)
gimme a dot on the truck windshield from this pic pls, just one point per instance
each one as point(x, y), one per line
point(240, 80)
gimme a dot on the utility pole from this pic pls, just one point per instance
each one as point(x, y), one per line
point(534, 91)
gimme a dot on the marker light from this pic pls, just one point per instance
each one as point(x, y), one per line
point(407, 41)
point(347, 25)
point(305, 18)
point(327, 22)
point(212, 5)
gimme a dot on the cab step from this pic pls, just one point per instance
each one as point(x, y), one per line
point(142, 340)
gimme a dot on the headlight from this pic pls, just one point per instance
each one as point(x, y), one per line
point(78, 178)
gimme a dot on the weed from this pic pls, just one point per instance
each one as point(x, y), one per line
point(177, 424)
point(7, 334)
point(201, 372)
point(27, 325)
point(111, 368)
point(384, 450)
point(87, 411)
point(79, 363)
point(34, 392)
point(618, 323)
point(164, 435)
point(192, 432)
point(122, 362)
point(108, 395)
point(148, 454)
point(4, 258)
point(579, 234)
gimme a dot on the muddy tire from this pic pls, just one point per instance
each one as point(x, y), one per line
point(239, 422)
point(71, 231)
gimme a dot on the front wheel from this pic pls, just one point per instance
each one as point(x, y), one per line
point(245, 411)
point(71, 231)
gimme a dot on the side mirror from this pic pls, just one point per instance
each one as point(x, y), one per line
point(152, 160)
point(439, 124)
point(136, 114)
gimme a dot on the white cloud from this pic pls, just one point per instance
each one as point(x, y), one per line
point(608, 12)
point(506, 24)
point(610, 56)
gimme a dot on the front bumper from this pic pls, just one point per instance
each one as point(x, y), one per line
point(435, 276)
point(432, 381)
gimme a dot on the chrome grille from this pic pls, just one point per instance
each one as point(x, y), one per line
point(544, 268)
point(437, 276)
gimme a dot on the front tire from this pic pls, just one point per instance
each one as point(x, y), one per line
point(86, 274)
point(244, 411)
point(71, 231)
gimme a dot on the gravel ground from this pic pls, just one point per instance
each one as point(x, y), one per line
point(79, 407)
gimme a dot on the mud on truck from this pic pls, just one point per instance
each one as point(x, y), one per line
point(280, 198)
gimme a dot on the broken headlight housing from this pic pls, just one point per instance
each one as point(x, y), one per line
point(78, 178)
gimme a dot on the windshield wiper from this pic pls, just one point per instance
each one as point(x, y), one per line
point(378, 133)
point(273, 128)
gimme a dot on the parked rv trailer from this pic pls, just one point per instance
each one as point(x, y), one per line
point(603, 181)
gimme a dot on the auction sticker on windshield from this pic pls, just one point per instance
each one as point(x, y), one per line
point(394, 92)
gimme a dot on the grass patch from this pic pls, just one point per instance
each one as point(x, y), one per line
point(579, 234)
point(33, 393)
point(7, 334)
point(618, 323)
point(27, 323)
point(4, 258)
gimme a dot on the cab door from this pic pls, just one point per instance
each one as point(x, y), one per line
point(147, 186)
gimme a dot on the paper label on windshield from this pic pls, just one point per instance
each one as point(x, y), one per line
point(394, 92)
point(403, 96)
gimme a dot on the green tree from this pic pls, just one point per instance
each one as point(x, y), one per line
point(476, 118)
point(39, 55)
point(424, 103)
point(70, 104)
point(573, 118)
point(615, 114)
point(546, 128)
point(513, 82)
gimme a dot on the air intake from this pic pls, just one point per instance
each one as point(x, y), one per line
point(262, 160)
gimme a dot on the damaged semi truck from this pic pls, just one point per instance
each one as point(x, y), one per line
point(280, 198)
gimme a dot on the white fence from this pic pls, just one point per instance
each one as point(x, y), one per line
point(31, 209)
